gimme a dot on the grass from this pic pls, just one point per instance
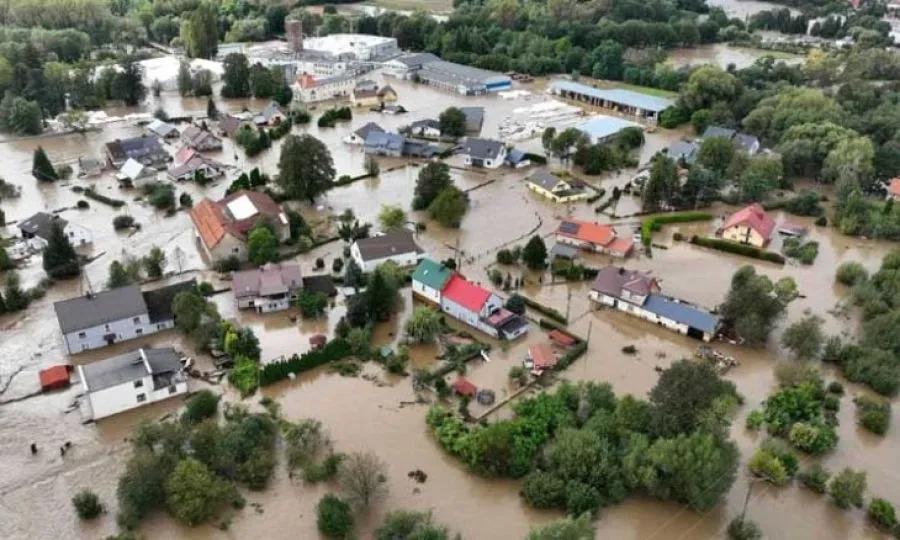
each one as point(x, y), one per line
point(412, 5)
point(777, 55)
point(658, 92)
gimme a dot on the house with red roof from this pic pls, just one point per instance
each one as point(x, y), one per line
point(222, 227)
point(477, 307)
point(749, 225)
point(593, 237)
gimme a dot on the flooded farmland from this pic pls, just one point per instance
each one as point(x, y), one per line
point(35, 492)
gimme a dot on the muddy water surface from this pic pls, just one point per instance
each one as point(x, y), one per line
point(362, 415)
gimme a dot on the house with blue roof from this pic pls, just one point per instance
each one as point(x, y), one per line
point(639, 295)
point(642, 106)
point(381, 143)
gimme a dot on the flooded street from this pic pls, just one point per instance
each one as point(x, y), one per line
point(35, 492)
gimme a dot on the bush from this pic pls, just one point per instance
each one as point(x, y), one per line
point(334, 350)
point(123, 222)
point(333, 517)
point(766, 465)
point(91, 194)
point(64, 171)
point(873, 414)
point(629, 349)
point(200, 406)
point(847, 488)
point(755, 420)
point(544, 310)
point(87, 504)
point(505, 256)
point(815, 478)
point(806, 253)
point(738, 249)
point(836, 388)
point(82, 205)
point(228, 264)
point(744, 529)
point(851, 273)
point(516, 304)
point(518, 375)
point(821, 221)
point(337, 265)
point(185, 200)
point(332, 116)
point(882, 514)
point(812, 439)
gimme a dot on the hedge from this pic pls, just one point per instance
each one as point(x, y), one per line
point(655, 223)
point(550, 325)
point(548, 311)
point(335, 350)
point(115, 203)
point(576, 352)
point(738, 249)
point(536, 158)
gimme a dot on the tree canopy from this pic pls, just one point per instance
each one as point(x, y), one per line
point(306, 169)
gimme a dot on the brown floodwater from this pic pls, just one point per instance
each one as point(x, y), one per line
point(722, 55)
point(370, 413)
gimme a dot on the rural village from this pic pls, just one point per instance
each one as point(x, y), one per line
point(550, 270)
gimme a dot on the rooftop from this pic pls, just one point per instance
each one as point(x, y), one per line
point(545, 180)
point(133, 169)
point(416, 59)
point(615, 95)
point(129, 367)
point(135, 147)
point(542, 355)
point(686, 150)
point(464, 387)
point(613, 279)
point(368, 127)
point(382, 139)
point(465, 293)
point(681, 312)
point(752, 216)
point(236, 214)
point(601, 126)
point(41, 224)
point(396, 242)
point(162, 129)
point(482, 148)
point(100, 308)
point(432, 274)
point(159, 301)
point(717, 131)
point(269, 280)
point(593, 233)
point(453, 73)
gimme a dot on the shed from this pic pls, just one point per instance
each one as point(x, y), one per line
point(54, 377)
point(464, 387)
point(560, 338)
point(542, 356)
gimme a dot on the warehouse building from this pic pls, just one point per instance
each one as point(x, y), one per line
point(464, 80)
point(360, 47)
point(601, 129)
point(642, 106)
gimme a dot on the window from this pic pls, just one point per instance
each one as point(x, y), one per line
point(235, 250)
point(141, 398)
point(136, 320)
point(82, 335)
point(172, 389)
point(160, 326)
point(139, 384)
point(139, 331)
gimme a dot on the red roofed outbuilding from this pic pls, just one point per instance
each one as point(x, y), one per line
point(464, 387)
point(749, 225)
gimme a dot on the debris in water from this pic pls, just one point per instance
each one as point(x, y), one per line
point(418, 475)
point(34, 449)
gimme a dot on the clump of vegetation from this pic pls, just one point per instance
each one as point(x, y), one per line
point(882, 514)
point(744, 529)
point(873, 414)
point(87, 504)
point(629, 349)
point(851, 273)
point(754, 304)
point(200, 406)
point(409, 525)
point(332, 116)
point(774, 463)
point(805, 252)
point(160, 195)
point(797, 412)
point(815, 478)
point(847, 488)
point(334, 517)
point(518, 375)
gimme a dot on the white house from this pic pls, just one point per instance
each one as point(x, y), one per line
point(270, 288)
point(358, 137)
point(132, 380)
point(196, 163)
point(99, 319)
point(397, 246)
point(308, 89)
point(427, 127)
point(37, 229)
point(485, 153)
point(429, 280)
point(135, 174)
point(162, 129)
point(481, 309)
point(407, 65)
point(200, 139)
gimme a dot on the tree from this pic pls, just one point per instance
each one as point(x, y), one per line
point(312, 304)
point(5, 262)
point(432, 180)
point(212, 112)
point(87, 504)
point(200, 32)
point(19, 115)
point(60, 258)
point(847, 488)
point(423, 325)
point(804, 338)
point(754, 304)
point(265, 82)
point(411, 525)
point(547, 138)
point(185, 79)
point(391, 216)
point(353, 275)
point(194, 494)
point(744, 529)
point(14, 298)
point(453, 122)
point(853, 156)
point(568, 528)
point(122, 274)
point(881, 512)
point(200, 406)
point(851, 273)
point(661, 185)
point(154, 263)
point(762, 175)
point(708, 85)
point(449, 207)
point(372, 166)
point(566, 143)
point(716, 153)
point(684, 391)
point(306, 169)
point(236, 76)
point(128, 84)
point(334, 518)
point(189, 308)
point(381, 296)
point(516, 304)
point(535, 253)
point(362, 477)
point(41, 168)
point(185, 199)
point(262, 246)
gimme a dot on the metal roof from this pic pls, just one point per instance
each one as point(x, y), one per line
point(96, 309)
point(482, 148)
point(41, 224)
point(380, 139)
point(545, 180)
point(454, 73)
point(129, 367)
point(600, 127)
point(615, 95)
point(397, 242)
point(681, 312)
point(367, 128)
point(685, 150)
point(432, 274)
point(716, 131)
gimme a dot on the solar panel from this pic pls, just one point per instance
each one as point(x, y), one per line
point(567, 227)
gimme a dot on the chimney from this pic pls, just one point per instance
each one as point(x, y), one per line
point(294, 33)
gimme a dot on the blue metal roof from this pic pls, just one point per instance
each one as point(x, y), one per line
point(378, 139)
point(681, 312)
point(600, 127)
point(617, 95)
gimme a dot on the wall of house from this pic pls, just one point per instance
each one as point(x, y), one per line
point(467, 316)
point(580, 244)
point(744, 235)
point(78, 235)
point(637, 311)
point(245, 302)
point(492, 304)
point(227, 247)
point(124, 329)
point(426, 292)
point(124, 397)
point(403, 260)
point(518, 333)
point(271, 305)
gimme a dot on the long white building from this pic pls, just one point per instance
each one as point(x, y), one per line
point(360, 47)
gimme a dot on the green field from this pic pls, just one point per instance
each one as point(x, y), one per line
point(658, 92)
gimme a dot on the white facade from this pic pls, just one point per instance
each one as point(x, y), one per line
point(472, 318)
point(324, 90)
point(636, 310)
point(363, 47)
point(403, 260)
point(426, 131)
point(104, 335)
point(128, 395)
point(488, 163)
point(227, 246)
point(265, 304)
point(396, 68)
point(77, 235)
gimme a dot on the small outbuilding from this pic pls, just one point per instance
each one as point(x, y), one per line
point(54, 377)
point(464, 387)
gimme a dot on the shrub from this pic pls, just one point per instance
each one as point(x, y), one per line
point(629, 349)
point(518, 375)
point(873, 414)
point(655, 223)
point(812, 439)
point(123, 222)
point(228, 264)
point(64, 171)
point(505, 256)
point(806, 253)
point(832, 403)
point(847, 488)
point(738, 249)
point(815, 478)
point(334, 350)
point(185, 200)
point(516, 304)
point(851, 273)
point(836, 388)
point(87, 504)
point(91, 194)
point(82, 205)
point(544, 310)
point(881, 512)
point(744, 529)
point(766, 465)
point(333, 517)
point(755, 420)
point(337, 265)
point(200, 406)
point(821, 221)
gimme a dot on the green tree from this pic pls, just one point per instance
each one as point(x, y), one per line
point(423, 325)
point(15, 298)
point(306, 169)
point(128, 84)
point(391, 215)
point(754, 304)
point(853, 156)
point(804, 338)
point(568, 528)
point(194, 494)
point(154, 263)
point(449, 207)
point(716, 153)
point(762, 175)
point(847, 488)
point(185, 79)
point(534, 255)
point(851, 273)
point(547, 138)
point(411, 525)
point(432, 180)
point(381, 296)
point(661, 185)
point(362, 477)
point(744, 529)
point(200, 32)
point(334, 518)
point(212, 112)
point(60, 258)
point(516, 304)
point(122, 274)
point(452, 122)
point(189, 309)
point(5, 262)
point(707, 86)
point(236, 76)
point(87, 504)
point(19, 115)
point(262, 246)
point(200, 406)
point(684, 391)
point(312, 304)
point(41, 168)
point(265, 82)
point(881, 512)
point(371, 165)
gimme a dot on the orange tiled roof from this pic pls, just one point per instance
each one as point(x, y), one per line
point(209, 221)
point(589, 232)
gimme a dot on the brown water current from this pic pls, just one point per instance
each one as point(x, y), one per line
point(35, 492)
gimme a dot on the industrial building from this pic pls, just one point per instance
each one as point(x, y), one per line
point(359, 47)
point(601, 129)
point(642, 106)
point(464, 80)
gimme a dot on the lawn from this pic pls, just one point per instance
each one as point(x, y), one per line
point(412, 5)
point(658, 92)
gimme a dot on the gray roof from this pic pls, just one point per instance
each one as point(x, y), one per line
point(425, 123)
point(681, 312)
point(159, 301)
point(685, 150)
point(716, 131)
point(163, 129)
point(453, 73)
point(514, 157)
point(391, 141)
point(136, 147)
point(195, 135)
point(395, 242)
point(130, 367)
point(482, 148)
point(745, 141)
point(40, 224)
point(564, 251)
point(367, 128)
point(268, 280)
point(417, 59)
point(100, 308)
point(545, 180)
point(614, 95)
point(420, 149)
point(612, 279)
point(271, 110)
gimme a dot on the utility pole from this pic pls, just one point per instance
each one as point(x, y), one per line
point(568, 303)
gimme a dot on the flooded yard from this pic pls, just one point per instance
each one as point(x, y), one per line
point(35, 492)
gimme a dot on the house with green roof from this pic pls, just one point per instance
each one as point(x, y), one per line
point(429, 280)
